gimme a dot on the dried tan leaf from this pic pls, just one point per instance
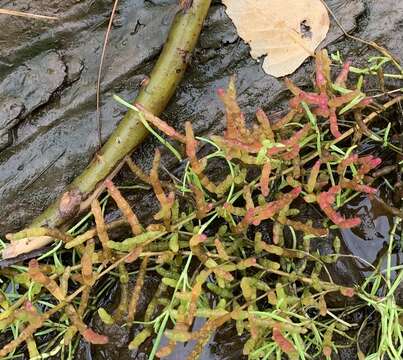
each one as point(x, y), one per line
point(287, 31)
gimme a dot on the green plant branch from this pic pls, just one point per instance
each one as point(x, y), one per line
point(164, 78)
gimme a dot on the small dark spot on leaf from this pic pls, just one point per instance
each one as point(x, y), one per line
point(305, 30)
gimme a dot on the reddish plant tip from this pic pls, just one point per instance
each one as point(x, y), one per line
point(342, 77)
point(197, 239)
point(325, 200)
point(296, 137)
point(251, 261)
point(349, 223)
point(256, 215)
point(292, 87)
point(108, 183)
point(348, 292)
point(370, 190)
point(220, 92)
point(366, 189)
point(294, 102)
point(367, 164)
point(249, 213)
point(334, 189)
point(281, 341)
point(327, 351)
point(209, 207)
point(94, 338)
point(369, 159)
point(134, 255)
point(375, 162)
point(334, 126)
point(353, 158)
point(320, 100)
point(295, 192)
point(28, 306)
point(240, 145)
point(347, 184)
point(265, 178)
point(367, 101)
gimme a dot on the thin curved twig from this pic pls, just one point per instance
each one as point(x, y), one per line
point(366, 42)
point(98, 111)
point(26, 14)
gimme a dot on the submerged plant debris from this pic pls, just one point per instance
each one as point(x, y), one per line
point(234, 250)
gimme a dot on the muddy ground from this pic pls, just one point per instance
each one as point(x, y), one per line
point(48, 73)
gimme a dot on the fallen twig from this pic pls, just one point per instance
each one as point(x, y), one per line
point(164, 79)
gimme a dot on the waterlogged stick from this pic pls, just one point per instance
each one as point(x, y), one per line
point(165, 77)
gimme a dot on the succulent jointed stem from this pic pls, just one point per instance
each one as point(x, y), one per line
point(164, 78)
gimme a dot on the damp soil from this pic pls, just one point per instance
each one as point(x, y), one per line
point(48, 131)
